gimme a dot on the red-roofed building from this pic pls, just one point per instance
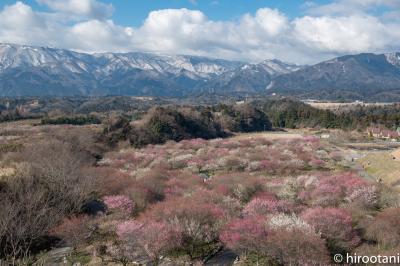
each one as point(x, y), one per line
point(383, 134)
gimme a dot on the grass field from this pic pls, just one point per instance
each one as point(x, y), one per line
point(381, 165)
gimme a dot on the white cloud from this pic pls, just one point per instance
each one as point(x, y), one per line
point(343, 34)
point(20, 24)
point(99, 36)
point(266, 21)
point(266, 34)
point(340, 7)
point(84, 8)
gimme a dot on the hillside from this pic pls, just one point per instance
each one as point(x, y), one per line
point(40, 71)
point(364, 76)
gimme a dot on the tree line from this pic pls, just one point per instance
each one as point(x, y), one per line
point(163, 123)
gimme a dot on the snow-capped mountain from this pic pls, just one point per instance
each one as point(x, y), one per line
point(199, 66)
point(252, 78)
point(13, 56)
point(275, 67)
point(28, 70)
point(393, 58)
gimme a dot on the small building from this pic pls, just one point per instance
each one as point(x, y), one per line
point(386, 134)
point(34, 103)
point(325, 136)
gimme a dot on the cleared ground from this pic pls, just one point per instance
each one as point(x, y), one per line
point(396, 155)
point(337, 106)
point(270, 135)
point(383, 166)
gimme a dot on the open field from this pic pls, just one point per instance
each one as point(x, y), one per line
point(335, 106)
point(396, 155)
point(372, 145)
point(270, 135)
point(384, 166)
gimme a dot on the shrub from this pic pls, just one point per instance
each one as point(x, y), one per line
point(388, 197)
point(60, 171)
point(385, 228)
point(293, 241)
point(289, 223)
point(127, 228)
point(365, 197)
point(297, 247)
point(335, 225)
point(182, 183)
point(113, 181)
point(75, 120)
point(331, 190)
point(245, 235)
point(259, 206)
point(285, 239)
point(128, 247)
point(199, 222)
point(50, 186)
point(75, 230)
point(158, 238)
point(26, 214)
point(119, 202)
point(240, 186)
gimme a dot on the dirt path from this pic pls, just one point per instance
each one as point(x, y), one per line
point(396, 155)
point(269, 135)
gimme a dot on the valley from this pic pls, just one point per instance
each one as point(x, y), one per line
point(199, 133)
point(148, 183)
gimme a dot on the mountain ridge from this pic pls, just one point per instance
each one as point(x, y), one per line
point(42, 71)
point(363, 76)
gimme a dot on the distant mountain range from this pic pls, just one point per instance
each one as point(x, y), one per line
point(362, 76)
point(40, 71)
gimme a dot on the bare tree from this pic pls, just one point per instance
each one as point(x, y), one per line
point(49, 187)
point(25, 216)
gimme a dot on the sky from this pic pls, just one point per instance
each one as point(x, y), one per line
point(295, 31)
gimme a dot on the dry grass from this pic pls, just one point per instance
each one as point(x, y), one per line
point(6, 172)
point(268, 135)
point(396, 155)
point(381, 165)
point(336, 106)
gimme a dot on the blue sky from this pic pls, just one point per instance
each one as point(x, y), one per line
point(249, 30)
point(134, 12)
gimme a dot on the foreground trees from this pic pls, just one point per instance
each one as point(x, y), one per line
point(335, 225)
point(284, 239)
point(49, 185)
point(269, 202)
point(154, 239)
